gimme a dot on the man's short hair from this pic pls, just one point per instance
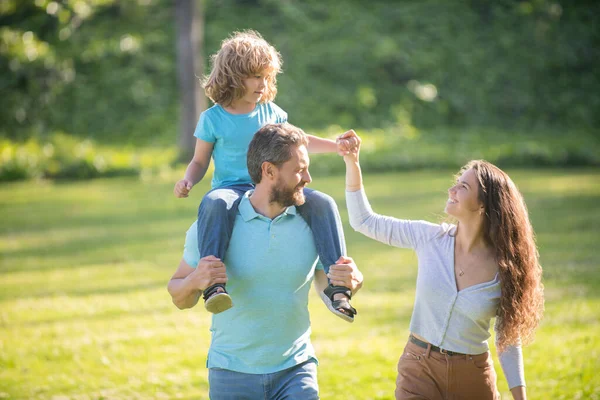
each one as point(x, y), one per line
point(273, 143)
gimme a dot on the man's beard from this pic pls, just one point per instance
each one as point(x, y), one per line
point(287, 197)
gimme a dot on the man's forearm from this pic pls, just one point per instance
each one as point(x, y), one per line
point(182, 293)
point(320, 281)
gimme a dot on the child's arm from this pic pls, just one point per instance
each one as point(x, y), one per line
point(320, 145)
point(342, 145)
point(196, 169)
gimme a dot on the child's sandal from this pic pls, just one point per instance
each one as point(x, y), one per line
point(215, 300)
point(348, 312)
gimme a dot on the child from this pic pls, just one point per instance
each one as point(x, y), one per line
point(242, 84)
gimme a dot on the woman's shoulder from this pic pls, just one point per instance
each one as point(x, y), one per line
point(436, 231)
point(447, 229)
point(430, 232)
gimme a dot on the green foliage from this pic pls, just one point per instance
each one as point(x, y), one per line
point(106, 69)
point(499, 63)
point(84, 311)
point(66, 157)
point(96, 68)
point(408, 148)
point(402, 147)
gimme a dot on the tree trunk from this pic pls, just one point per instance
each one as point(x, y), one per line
point(189, 18)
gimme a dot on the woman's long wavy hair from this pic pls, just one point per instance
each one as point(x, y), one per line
point(242, 55)
point(508, 230)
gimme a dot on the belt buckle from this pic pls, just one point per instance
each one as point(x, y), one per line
point(443, 351)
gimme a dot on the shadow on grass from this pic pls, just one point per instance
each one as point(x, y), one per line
point(101, 316)
point(85, 292)
point(105, 242)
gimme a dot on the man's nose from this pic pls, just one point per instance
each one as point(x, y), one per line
point(307, 178)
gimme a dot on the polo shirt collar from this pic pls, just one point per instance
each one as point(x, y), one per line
point(248, 213)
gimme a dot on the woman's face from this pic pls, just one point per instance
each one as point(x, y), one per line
point(463, 197)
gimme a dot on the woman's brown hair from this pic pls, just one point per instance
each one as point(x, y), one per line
point(507, 228)
point(242, 55)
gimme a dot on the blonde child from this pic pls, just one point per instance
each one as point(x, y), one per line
point(242, 84)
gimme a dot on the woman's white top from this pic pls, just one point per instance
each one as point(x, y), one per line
point(453, 320)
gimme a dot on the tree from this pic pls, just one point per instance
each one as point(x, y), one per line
point(189, 19)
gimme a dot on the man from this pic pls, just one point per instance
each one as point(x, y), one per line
point(261, 347)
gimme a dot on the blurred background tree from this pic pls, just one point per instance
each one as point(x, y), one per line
point(108, 70)
point(190, 41)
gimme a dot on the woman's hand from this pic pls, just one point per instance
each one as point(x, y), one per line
point(353, 174)
point(519, 393)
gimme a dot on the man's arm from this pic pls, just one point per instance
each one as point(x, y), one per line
point(187, 283)
point(320, 282)
point(344, 273)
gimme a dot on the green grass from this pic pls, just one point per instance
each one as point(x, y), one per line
point(84, 312)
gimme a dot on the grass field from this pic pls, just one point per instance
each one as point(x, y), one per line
point(84, 311)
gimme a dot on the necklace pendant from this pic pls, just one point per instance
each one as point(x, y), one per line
point(461, 272)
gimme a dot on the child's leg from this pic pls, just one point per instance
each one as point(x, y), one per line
point(321, 213)
point(216, 216)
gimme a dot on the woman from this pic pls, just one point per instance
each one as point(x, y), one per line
point(485, 266)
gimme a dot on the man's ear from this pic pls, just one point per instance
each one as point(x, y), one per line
point(268, 170)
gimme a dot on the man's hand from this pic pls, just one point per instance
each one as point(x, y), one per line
point(346, 273)
point(347, 143)
point(182, 188)
point(210, 270)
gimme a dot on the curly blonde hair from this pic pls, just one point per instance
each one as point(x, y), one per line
point(507, 228)
point(242, 55)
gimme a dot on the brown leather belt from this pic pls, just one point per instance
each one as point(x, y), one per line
point(424, 345)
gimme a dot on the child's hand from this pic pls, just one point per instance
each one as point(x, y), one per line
point(182, 188)
point(348, 142)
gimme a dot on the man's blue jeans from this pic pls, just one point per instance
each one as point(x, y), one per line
point(216, 216)
point(296, 383)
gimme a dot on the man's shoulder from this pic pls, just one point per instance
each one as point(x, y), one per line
point(192, 231)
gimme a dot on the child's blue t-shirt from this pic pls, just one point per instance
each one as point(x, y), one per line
point(231, 135)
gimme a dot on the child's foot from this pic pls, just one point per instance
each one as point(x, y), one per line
point(337, 299)
point(216, 299)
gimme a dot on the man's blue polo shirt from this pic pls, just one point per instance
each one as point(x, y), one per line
point(270, 265)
